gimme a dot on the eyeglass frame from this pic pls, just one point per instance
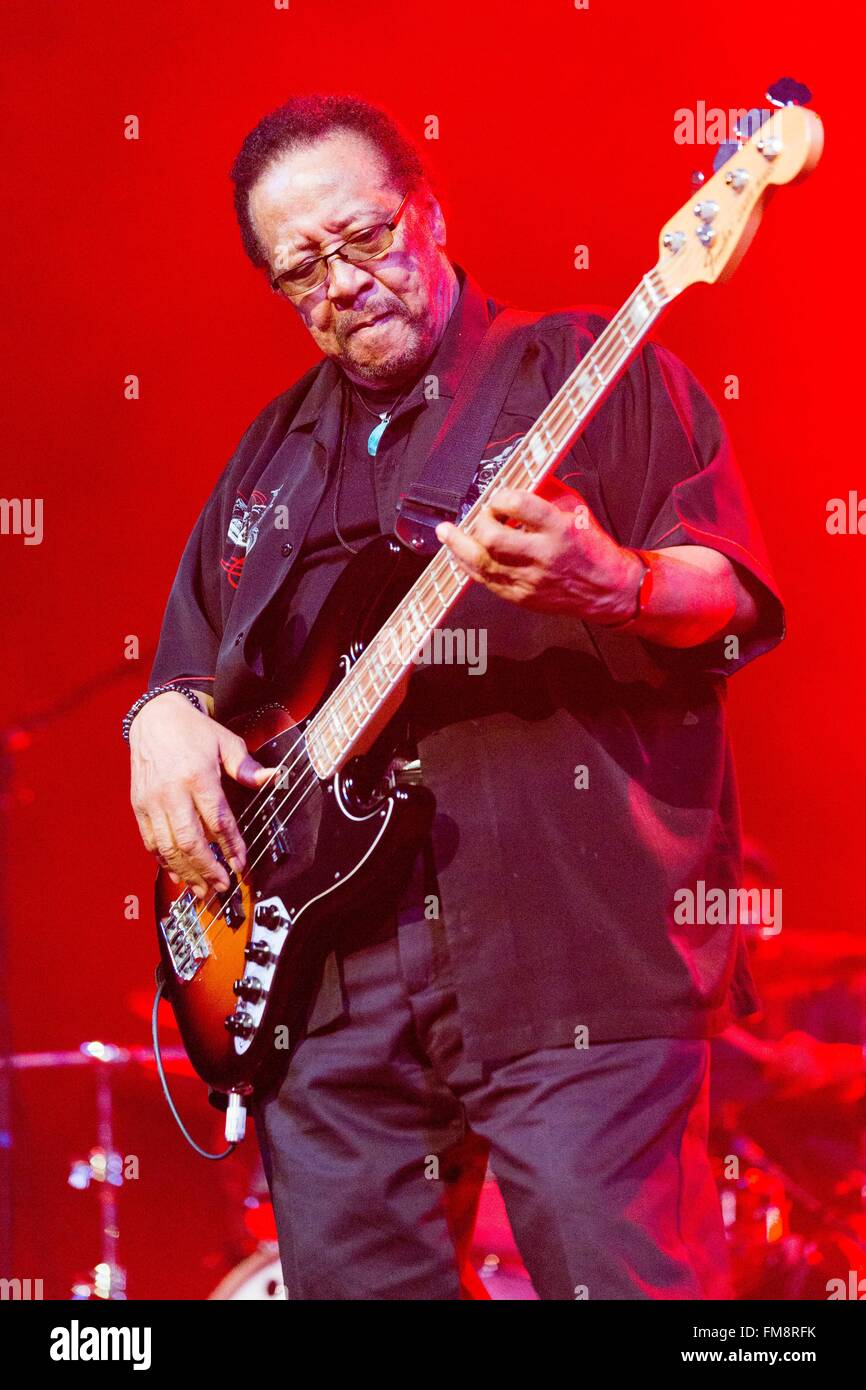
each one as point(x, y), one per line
point(391, 224)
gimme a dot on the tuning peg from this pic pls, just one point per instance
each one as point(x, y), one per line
point(787, 92)
point(698, 177)
point(752, 121)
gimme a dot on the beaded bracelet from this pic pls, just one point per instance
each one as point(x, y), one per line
point(148, 695)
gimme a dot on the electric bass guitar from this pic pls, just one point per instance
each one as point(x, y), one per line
point(346, 806)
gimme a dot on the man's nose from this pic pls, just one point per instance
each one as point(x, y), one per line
point(345, 280)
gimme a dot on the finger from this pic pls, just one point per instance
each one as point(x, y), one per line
point(506, 543)
point(145, 827)
point(470, 553)
point(191, 856)
point(240, 765)
point(165, 852)
point(524, 507)
point(221, 826)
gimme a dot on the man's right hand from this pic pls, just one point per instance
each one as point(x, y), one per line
point(178, 758)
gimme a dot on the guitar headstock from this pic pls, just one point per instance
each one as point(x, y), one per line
point(709, 235)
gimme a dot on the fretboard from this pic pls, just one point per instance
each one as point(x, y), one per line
point(338, 726)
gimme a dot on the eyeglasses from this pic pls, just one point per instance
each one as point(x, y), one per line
point(367, 244)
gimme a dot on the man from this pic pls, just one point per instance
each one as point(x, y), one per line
point(531, 994)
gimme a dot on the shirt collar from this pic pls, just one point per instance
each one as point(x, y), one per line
point(463, 332)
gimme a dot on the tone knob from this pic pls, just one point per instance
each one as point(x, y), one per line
point(259, 952)
point(249, 988)
point(268, 915)
point(240, 1025)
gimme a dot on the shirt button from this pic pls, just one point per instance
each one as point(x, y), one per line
point(288, 548)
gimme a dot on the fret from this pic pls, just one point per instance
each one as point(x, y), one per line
point(576, 404)
point(333, 741)
point(539, 453)
point(381, 666)
point(331, 755)
point(437, 590)
point(351, 690)
point(638, 315)
point(416, 603)
point(375, 665)
point(551, 442)
point(417, 625)
point(360, 687)
point(386, 640)
point(342, 730)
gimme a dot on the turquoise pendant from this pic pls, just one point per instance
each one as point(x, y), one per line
point(376, 434)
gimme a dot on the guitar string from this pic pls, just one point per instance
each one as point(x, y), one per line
point(600, 351)
point(340, 696)
point(428, 588)
point(603, 358)
point(337, 699)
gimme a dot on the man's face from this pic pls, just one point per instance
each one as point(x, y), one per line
point(310, 200)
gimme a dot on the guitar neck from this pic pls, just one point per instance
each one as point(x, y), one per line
point(340, 724)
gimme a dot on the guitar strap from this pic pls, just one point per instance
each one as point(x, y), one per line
point(439, 490)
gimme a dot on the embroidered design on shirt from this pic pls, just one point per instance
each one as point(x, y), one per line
point(243, 531)
point(247, 518)
point(487, 471)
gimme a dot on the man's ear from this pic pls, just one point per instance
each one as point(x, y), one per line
point(435, 218)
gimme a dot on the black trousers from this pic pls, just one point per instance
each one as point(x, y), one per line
point(376, 1141)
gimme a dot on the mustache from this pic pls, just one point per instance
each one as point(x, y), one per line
point(347, 323)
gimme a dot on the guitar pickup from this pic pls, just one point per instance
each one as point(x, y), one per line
point(276, 835)
point(232, 910)
point(409, 774)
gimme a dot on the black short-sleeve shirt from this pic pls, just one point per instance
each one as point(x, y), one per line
point(586, 776)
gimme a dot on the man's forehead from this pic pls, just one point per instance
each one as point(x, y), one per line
point(325, 185)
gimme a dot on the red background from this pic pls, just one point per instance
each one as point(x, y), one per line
point(556, 128)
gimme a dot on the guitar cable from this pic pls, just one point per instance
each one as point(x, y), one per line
point(154, 1031)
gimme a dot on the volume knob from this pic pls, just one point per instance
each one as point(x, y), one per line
point(240, 1025)
point(269, 915)
point(249, 988)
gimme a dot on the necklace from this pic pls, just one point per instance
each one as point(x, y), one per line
point(383, 416)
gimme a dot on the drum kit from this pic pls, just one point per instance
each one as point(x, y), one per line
point(787, 1238)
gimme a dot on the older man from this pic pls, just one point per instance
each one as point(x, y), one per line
point(531, 995)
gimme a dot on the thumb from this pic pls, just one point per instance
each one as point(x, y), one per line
point(241, 765)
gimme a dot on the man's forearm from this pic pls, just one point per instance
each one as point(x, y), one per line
point(696, 594)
